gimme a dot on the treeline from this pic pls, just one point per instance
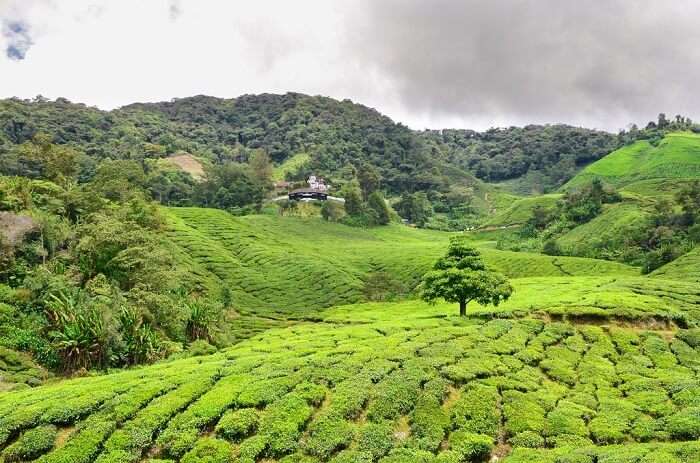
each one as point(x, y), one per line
point(238, 187)
point(655, 131)
point(87, 279)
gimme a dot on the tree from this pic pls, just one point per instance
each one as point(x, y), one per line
point(262, 169)
point(377, 204)
point(332, 211)
point(230, 186)
point(57, 163)
point(369, 178)
point(353, 199)
point(461, 276)
point(689, 200)
point(415, 208)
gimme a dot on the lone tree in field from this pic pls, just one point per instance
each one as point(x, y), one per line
point(461, 276)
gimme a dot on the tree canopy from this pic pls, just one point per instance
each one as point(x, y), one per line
point(461, 276)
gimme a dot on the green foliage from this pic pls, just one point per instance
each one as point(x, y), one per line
point(31, 444)
point(542, 156)
point(461, 277)
point(332, 211)
point(202, 315)
point(470, 446)
point(210, 450)
point(237, 424)
point(415, 208)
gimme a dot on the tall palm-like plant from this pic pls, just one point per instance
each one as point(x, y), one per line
point(201, 317)
point(140, 341)
point(80, 335)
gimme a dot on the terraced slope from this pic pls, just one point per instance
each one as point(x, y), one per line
point(631, 301)
point(521, 210)
point(409, 386)
point(608, 231)
point(282, 266)
point(685, 268)
point(677, 156)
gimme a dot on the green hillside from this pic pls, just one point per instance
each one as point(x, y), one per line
point(685, 268)
point(677, 156)
point(290, 265)
point(520, 210)
point(408, 384)
point(608, 231)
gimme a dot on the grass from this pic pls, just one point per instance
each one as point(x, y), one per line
point(677, 156)
point(384, 383)
point(290, 165)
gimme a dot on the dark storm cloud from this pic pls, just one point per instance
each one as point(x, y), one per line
point(600, 63)
point(18, 38)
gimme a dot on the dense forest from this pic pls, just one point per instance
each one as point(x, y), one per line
point(549, 155)
point(337, 135)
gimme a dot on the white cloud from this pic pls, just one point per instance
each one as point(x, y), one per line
point(427, 64)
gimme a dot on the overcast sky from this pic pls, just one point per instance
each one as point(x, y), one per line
point(431, 63)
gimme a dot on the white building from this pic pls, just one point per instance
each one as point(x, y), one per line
point(317, 183)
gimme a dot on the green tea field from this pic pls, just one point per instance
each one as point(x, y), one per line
point(386, 383)
point(587, 362)
point(676, 156)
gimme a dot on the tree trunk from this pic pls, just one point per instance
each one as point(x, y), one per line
point(462, 308)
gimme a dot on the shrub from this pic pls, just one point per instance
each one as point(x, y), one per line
point(527, 439)
point(429, 422)
point(237, 424)
point(684, 424)
point(375, 439)
point(83, 446)
point(209, 450)
point(252, 448)
point(522, 413)
point(476, 410)
point(328, 434)
point(31, 444)
point(403, 455)
point(470, 446)
point(200, 347)
point(691, 337)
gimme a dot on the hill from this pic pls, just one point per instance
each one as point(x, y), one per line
point(320, 134)
point(676, 156)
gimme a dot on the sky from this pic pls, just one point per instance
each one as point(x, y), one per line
point(428, 64)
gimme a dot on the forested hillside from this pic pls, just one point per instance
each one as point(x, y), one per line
point(334, 134)
point(534, 158)
point(337, 135)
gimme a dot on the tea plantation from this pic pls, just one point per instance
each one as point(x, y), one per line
point(674, 157)
point(588, 362)
point(405, 384)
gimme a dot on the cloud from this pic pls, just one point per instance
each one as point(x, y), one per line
point(426, 63)
point(596, 63)
point(19, 39)
point(174, 9)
